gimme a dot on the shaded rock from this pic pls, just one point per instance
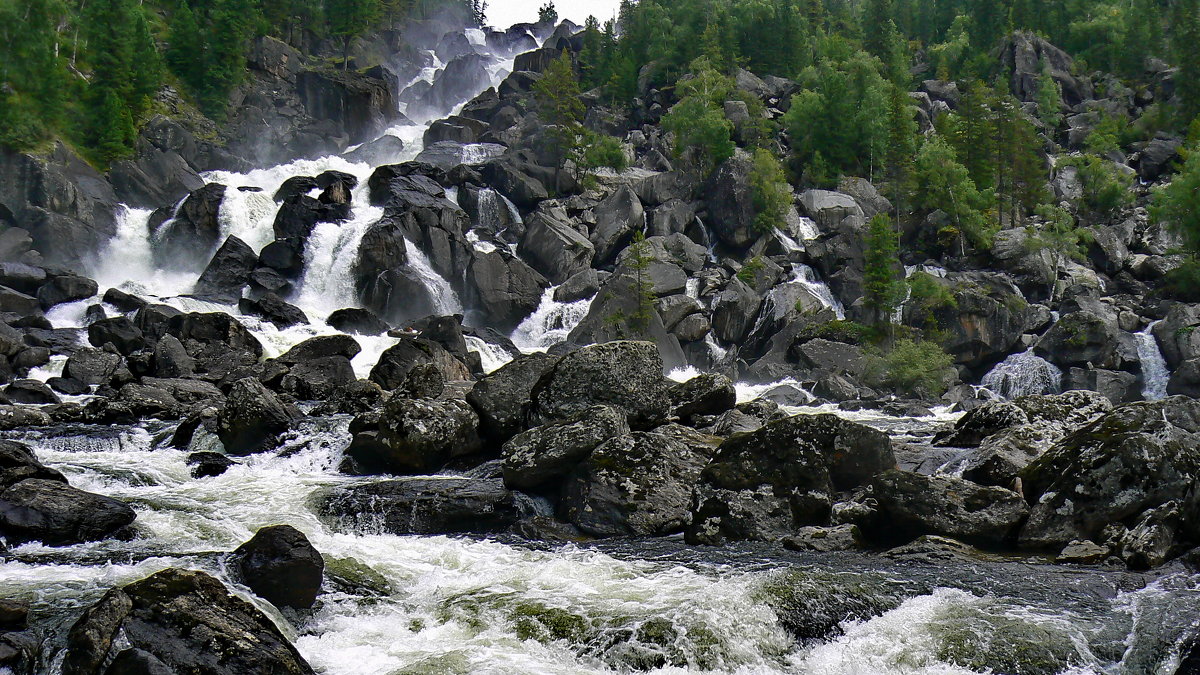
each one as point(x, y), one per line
point(415, 437)
point(554, 248)
point(281, 566)
point(252, 418)
point(194, 230)
point(705, 394)
point(208, 464)
point(171, 358)
point(911, 505)
point(189, 622)
point(273, 308)
point(624, 374)
point(541, 454)
point(394, 364)
point(118, 331)
point(30, 392)
point(501, 398)
point(845, 537)
point(56, 514)
point(428, 506)
point(358, 322)
point(91, 366)
point(320, 347)
point(66, 288)
point(318, 378)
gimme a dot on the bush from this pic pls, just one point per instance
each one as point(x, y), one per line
point(848, 332)
point(1183, 282)
point(1105, 187)
point(912, 368)
point(604, 151)
point(926, 296)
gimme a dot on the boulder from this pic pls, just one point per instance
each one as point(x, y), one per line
point(444, 505)
point(273, 308)
point(208, 464)
point(1078, 339)
point(542, 454)
point(213, 328)
point(503, 288)
point(66, 288)
point(30, 392)
point(56, 514)
point(17, 302)
point(21, 277)
point(252, 418)
point(828, 209)
point(415, 437)
point(318, 379)
point(187, 621)
point(395, 363)
point(280, 566)
point(185, 240)
point(625, 374)
point(554, 248)
point(910, 505)
point(320, 347)
point(92, 366)
point(18, 462)
point(118, 331)
point(1128, 462)
point(635, 484)
point(357, 322)
point(617, 217)
point(362, 103)
point(763, 484)
point(502, 397)
point(171, 358)
point(734, 311)
point(731, 203)
point(705, 394)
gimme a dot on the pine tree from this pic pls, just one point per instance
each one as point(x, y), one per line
point(901, 149)
point(146, 67)
point(110, 128)
point(185, 47)
point(348, 19)
point(945, 185)
point(1185, 41)
point(558, 98)
point(882, 286)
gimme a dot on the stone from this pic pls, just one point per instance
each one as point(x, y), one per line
point(118, 331)
point(320, 347)
point(415, 437)
point(252, 418)
point(271, 307)
point(1082, 552)
point(30, 392)
point(705, 394)
point(209, 464)
point(56, 514)
point(357, 321)
point(554, 248)
point(536, 457)
point(624, 374)
point(186, 620)
point(281, 566)
point(911, 505)
point(501, 398)
point(66, 288)
point(449, 505)
point(846, 537)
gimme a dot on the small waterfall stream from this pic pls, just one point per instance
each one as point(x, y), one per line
point(550, 323)
point(1023, 374)
point(1155, 374)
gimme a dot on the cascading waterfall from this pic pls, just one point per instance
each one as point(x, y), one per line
point(492, 357)
point(1023, 374)
point(550, 323)
point(330, 255)
point(807, 277)
point(1155, 374)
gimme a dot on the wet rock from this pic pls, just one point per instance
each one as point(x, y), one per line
point(635, 484)
point(539, 455)
point(118, 331)
point(318, 378)
point(30, 392)
point(554, 248)
point(705, 394)
point(68, 385)
point(66, 288)
point(18, 417)
point(14, 615)
point(394, 364)
point(320, 347)
point(273, 308)
point(281, 566)
point(449, 505)
point(171, 358)
point(186, 620)
point(763, 484)
point(1078, 339)
point(734, 311)
point(501, 398)
point(361, 103)
point(1132, 460)
point(1083, 552)
point(214, 328)
point(195, 228)
point(414, 437)
point(616, 218)
point(18, 462)
point(837, 538)
point(625, 374)
point(505, 288)
point(56, 514)
point(209, 464)
point(358, 322)
point(252, 418)
point(228, 273)
point(580, 286)
point(911, 505)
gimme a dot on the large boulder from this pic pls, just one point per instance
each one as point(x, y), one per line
point(502, 397)
point(624, 374)
point(361, 103)
point(185, 240)
point(394, 364)
point(252, 418)
point(910, 505)
point(1115, 470)
point(118, 331)
point(985, 321)
point(617, 217)
point(705, 394)
point(228, 273)
point(383, 279)
point(730, 202)
point(66, 288)
point(443, 505)
point(48, 510)
point(636, 484)
point(763, 484)
point(92, 366)
point(1028, 58)
point(554, 248)
point(281, 566)
point(186, 621)
point(542, 454)
point(1078, 339)
point(414, 437)
point(503, 288)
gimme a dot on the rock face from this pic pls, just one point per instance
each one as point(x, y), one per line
point(428, 506)
point(635, 484)
point(416, 436)
point(542, 454)
point(1116, 471)
point(731, 203)
point(186, 621)
point(281, 566)
point(252, 418)
point(624, 374)
point(194, 232)
point(911, 505)
point(554, 248)
point(227, 273)
point(765, 483)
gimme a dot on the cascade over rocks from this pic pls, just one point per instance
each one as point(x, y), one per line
point(184, 620)
point(195, 229)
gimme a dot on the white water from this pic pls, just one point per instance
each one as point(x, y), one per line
point(550, 323)
point(811, 281)
point(1023, 374)
point(1155, 374)
point(491, 356)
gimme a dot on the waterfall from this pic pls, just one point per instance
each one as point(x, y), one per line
point(491, 356)
point(445, 300)
point(329, 258)
point(1023, 374)
point(1155, 374)
point(808, 278)
point(550, 323)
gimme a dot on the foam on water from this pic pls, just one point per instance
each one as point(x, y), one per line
point(1155, 374)
point(550, 323)
point(491, 356)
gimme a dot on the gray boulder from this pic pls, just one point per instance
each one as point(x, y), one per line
point(281, 566)
point(502, 397)
point(624, 374)
point(534, 457)
point(252, 418)
point(414, 437)
point(554, 248)
point(910, 505)
point(48, 510)
point(444, 505)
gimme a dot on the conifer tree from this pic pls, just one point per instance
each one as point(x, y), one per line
point(350, 18)
point(882, 286)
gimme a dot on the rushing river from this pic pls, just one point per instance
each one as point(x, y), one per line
point(421, 604)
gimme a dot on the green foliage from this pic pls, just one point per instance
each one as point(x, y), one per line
point(547, 13)
point(1177, 204)
point(1105, 186)
point(603, 151)
point(912, 368)
point(769, 191)
point(557, 94)
point(1185, 39)
point(348, 19)
point(926, 295)
point(839, 330)
point(698, 122)
point(643, 287)
point(1049, 100)
point(1108, 135)
point(945, 185)
point(749, 272)
point(1059, 237)
point(882, 286)
point(1183, 283)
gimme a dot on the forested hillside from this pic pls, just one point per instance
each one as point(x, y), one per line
point(89, 70)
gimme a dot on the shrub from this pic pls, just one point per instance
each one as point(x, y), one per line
point(913, 368)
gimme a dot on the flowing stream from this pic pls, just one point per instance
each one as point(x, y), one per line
point(447, 605)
